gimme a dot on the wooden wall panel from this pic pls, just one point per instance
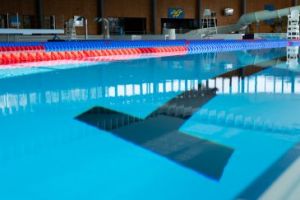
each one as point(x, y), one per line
point(65, 9)
point(189, 7)
point(219, 5)
point(24, 7)
point(257, 5)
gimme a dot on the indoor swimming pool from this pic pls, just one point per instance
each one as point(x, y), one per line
point(220, 125)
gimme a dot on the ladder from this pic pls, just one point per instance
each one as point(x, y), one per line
point(293, 25)
point(71, 29)
point(209, 22)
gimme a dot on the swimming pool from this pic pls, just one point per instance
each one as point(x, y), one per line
point(220, 125)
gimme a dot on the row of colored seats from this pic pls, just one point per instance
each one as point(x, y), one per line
point(202, 44)
point(294, 43)
point(21, 46)
point(194, 46)
point(110, 44)
point(20, 57)
point(222, 46)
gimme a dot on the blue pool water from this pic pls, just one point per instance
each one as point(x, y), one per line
point(46, 153)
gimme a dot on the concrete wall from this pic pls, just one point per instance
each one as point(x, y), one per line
point(65, 9)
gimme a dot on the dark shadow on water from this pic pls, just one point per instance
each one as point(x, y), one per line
point(159, 132)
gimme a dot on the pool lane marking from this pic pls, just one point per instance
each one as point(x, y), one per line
point(265, 185)
point(286, 186)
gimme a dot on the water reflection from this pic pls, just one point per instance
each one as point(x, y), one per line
point(281, 83)
point(292, 57)
point(237, 83)
point(145, 81)
point(40, 128)
point(40, 101)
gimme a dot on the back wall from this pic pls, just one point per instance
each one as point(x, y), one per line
point(65, 9)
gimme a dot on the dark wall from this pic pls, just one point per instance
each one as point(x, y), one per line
point(129, 8)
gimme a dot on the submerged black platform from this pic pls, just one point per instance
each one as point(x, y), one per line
point(159, 132)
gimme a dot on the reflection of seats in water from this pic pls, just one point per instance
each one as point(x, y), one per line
point(184, 105)
point(139, 92)
point(278, 80)
point(159, 133)
point(292, 56)
point(233, 120)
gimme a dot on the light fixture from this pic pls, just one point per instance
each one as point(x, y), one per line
point(228, 11)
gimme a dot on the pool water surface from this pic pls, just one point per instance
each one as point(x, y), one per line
point(202, 126)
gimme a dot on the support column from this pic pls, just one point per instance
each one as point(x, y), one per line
point(40, 13)
point(244, 6)
point(295, 2)
point(100, 13)
point(199, 11)
point(153, 15)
